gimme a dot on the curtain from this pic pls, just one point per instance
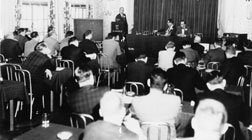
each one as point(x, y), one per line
point(200, 15)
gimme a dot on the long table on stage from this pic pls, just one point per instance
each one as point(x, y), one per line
point(149, 44)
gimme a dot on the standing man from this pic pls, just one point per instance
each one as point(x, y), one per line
point(121, 17)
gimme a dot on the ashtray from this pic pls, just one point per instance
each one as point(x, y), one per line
point(64, 135)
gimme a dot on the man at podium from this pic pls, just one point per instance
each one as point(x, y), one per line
point(121, 18)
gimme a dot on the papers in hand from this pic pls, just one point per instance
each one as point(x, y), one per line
point(92, 56)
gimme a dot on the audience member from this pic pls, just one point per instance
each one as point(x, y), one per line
point(209, 121)
point(217, 54)
point(196, 46)
point(30, 45)
point(185, 78)
point(21, 38)
point(245, 57)
point(236, 108)
point(183, 30)
point(139, 71)
point(86, 96)
point(192, 56)
point(232, 68)
point(110, 128)
point(170, 30)
point(43, 75)
point(165, 57)
point(157, 106)
point(10, 49)
point(64, 42)
point(28, 34)
point(52, 43)
point(111, 49)
point(73, 52)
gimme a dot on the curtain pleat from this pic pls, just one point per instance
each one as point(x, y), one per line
point(200, 15)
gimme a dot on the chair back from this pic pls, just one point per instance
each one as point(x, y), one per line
point(213, 66)
point(179, 93)
point(7, 71)
point(65, 64)
point(240, 81)
point(158, 130)
point(133, 88)
point(103, 62)
point(80, 120)
point(2, 58)
point(230, 133)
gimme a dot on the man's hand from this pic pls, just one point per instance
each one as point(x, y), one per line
point(48, 74)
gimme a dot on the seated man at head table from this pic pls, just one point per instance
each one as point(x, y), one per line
point(44, 75)
point(83, 96)
point(185, 78)
point(183, 30)
point(238, 111)
point(139, 71)
point(210, 121)
point(115, 124)
point(157, 107)
point(165, 57)
point(170, 30)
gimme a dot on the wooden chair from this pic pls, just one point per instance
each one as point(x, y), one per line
point(79, 120)
point(133, 88)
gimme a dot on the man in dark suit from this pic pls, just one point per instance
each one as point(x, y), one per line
point(170, 30)
point(84, 99)
point(236, 109)
point(185, 78)
point(245, 57)
point(139, 71)
point(72, 52)
point(121, 17)
point(21, 38)
point(215, 55)
point(183, 30)
point(232, 68)
point(10, 49)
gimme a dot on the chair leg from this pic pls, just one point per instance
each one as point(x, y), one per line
point(51, 101)
point(17, 108)
point(61, 95)
point(108, 78)
point(31, 104)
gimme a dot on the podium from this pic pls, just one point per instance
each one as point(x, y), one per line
point(117, 27)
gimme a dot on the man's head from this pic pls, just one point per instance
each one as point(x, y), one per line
point(43, 48)
point(215, 81)
point(179, 58)
point(74, 41)
point(170, 44)
point(210, 119)
point(197, 39)
point(182, 24)
point(121, 10)
point(186, 44)
point(112, 107)
point(248, 45)
point(170, 22)
point(142, 57)
point(84, 74)
point(35, 36)
point(218, 43)
point(157, 79)
point(230, 51)
point(111, 36)
point(69, 34)
point(88, 35)
point(21, 31)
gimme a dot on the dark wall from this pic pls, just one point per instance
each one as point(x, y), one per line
point(96, 25)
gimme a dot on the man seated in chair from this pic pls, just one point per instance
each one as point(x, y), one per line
point(85, 96)
point(110, 128)
point(185, 78)
point(192, 55)
point(238, 111)
point(210, 121)
point(165, 57)
point(157, 107)
point(139, 71)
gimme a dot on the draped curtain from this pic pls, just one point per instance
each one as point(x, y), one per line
point(200, 15)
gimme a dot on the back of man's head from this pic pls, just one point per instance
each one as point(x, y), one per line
point(72, 39)
point(20, 30)
point(69, 33)
point(40, 46)
point(84, 73)
point(34, 34)
point(210, 119)
point(111, 106)
point(179, 57)
point(230, 51)
point(142, 57)
point(248, 45)
point(157, 79)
